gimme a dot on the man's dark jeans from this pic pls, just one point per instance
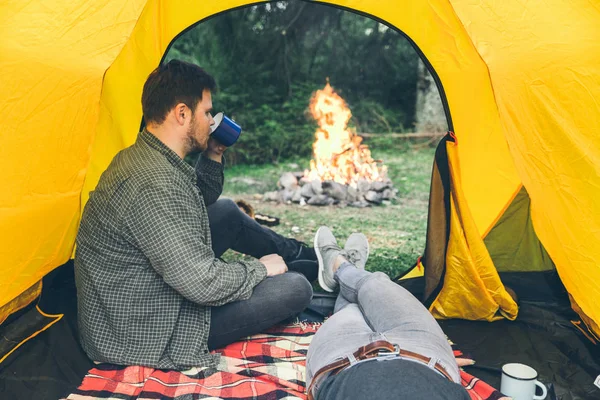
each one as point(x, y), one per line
point(231, 228)
point(276, 298)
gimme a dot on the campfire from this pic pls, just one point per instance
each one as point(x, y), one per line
point(342, 170)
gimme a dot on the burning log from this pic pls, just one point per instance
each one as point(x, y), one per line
point(342, 170)
point(338, 153)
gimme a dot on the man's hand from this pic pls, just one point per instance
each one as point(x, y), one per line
point(274, 264)
point(215, 150)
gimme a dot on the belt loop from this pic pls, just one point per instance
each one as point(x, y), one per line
point(432, 362)
point(352, 359)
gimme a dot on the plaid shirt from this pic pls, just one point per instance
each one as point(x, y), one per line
point(145, 271)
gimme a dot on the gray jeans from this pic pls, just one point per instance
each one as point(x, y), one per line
point(370, 307)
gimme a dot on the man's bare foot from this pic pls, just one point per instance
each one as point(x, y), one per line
point(329, 258)
point(338, 262)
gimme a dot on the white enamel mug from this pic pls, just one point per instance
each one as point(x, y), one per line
point(519, 381)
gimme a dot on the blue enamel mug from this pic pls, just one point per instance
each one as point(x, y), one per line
point(225, 130)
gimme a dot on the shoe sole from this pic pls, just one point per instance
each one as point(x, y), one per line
point(368, 252)
point(321, 264)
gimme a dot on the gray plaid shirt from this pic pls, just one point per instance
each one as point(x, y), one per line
point(145, 271)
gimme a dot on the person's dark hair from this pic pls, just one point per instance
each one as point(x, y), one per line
point(173, 83)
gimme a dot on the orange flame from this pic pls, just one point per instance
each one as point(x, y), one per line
point(338, 154)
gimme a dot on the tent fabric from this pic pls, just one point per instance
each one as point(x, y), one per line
point(513, 243)
point(53, 61)
point(27, 326)
point(20, 302)
point(472, 288)
point(438, 224)
point(520, 80)
point(543, 63)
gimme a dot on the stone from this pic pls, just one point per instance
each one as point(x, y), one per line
point(303, 181)
point(320, 200)
point(316, 186)
point(296, 188)
point(373, 197)
point(388, 194)
point(286, 195)
point(379, 186)
point(352, 194)
point(297, 196)
point(335, 190)
point(307, 191)
point(288, 181)
point(271, 196)
point(363, 185)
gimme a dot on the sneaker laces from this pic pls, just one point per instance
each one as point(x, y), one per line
point(352, 255)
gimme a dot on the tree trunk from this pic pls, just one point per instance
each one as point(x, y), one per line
point(429, 112)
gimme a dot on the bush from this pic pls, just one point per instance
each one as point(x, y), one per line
point(271, 130)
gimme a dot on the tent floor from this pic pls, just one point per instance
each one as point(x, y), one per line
point(52, 364)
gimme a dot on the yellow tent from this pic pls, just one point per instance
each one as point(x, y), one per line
point(520, 79)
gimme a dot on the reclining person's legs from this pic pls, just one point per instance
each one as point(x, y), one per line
point(388, 309)
point(274, 300)
point(384, 376)
point(231, 228)
point(392, 311)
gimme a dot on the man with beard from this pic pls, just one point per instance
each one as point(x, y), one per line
point(151, 287)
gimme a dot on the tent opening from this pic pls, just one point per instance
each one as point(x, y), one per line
point(269, 59)
point(512, 205)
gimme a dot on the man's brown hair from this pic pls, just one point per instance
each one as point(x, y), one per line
point(173, 83)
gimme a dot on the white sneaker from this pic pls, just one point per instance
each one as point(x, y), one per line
point(357, 250)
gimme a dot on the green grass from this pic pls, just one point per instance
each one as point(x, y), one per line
point(396, 231)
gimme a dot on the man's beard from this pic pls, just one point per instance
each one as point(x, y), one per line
point(192, 143)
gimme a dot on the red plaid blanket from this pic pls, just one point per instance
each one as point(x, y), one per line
point(267, 366)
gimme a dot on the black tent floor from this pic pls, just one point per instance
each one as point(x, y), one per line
point(52, 364)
